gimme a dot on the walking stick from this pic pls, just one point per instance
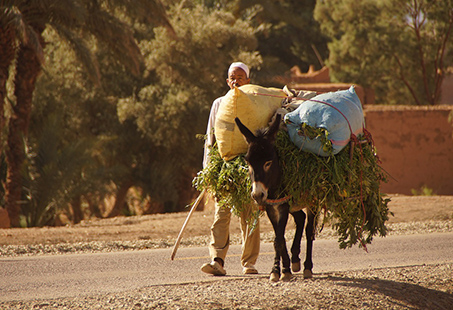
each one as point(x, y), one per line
point(178, 240)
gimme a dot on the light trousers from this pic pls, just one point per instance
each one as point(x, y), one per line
point(220, 237)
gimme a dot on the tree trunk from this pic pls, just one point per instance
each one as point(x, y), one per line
point(7, 51)
point(3, 79)
point(93, 205)
point(77, 213)
point(28, 69)
point(121, 195)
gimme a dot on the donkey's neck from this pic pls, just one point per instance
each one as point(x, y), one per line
point(274, 191)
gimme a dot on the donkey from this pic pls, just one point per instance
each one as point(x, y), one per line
point(265, 174)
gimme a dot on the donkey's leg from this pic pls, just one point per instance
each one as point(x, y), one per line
point(283, 211)
point(310, 233)
point(279, 218)
point(299, 219)
point(273, 216)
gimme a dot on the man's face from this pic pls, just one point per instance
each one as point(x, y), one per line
point(237, 77)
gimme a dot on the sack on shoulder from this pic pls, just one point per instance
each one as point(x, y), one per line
point(254, 105)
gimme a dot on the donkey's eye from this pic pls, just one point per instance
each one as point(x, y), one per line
point(267, 165)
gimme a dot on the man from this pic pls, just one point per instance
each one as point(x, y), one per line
point(238, 75)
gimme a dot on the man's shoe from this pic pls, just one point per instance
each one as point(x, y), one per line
point(249, 270)
point(213, 268)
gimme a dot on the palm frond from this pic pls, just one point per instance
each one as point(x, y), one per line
point(117, 36)
point(69, 13)
point(34, 43)
point(146, 11)
point(82, 52)
point(13, 19)
point(35, 13)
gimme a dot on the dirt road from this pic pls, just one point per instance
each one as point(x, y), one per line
point(422, 282)
point(26, 278)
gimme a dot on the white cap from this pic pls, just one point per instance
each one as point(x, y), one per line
point(241, 65)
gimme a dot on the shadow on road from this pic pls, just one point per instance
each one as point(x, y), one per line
point(408, 294)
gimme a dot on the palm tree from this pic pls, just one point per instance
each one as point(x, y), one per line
point(12, 33)
point(22, 23)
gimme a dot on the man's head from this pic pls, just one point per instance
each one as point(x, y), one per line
point(238, 75)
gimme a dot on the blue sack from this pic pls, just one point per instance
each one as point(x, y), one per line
point(323, 111)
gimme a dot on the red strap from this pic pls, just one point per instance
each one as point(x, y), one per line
point(277, 202)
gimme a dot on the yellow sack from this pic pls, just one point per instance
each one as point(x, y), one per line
point(254, 105)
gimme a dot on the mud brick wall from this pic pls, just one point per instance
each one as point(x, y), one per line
point(415, 145)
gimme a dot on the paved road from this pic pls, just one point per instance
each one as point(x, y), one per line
point(25, 278)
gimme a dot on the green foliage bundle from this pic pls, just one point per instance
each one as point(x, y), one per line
point(229, 183)
point(317, 133)
point(348, 191)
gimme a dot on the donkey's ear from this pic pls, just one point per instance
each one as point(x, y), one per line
point(249, 136)
point(274, 126)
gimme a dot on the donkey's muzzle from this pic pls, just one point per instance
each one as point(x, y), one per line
point(259, 193)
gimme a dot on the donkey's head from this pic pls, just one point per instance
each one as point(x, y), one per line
point(262, 159)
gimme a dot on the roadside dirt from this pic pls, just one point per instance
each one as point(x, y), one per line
point(167, 226)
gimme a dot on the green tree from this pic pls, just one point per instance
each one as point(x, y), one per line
point(286, 31)
point(83, 138)
point(22, 25)
point(181, 80)
point(116, 156)
point(60, 146)
point(187, 74)
point(398, 47)
point(53, 171)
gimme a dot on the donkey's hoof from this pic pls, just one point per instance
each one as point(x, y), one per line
point(286, 277)
point(308, 274)
point(274, 277)
point(295, 267)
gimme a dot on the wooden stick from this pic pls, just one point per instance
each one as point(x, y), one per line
point(178, 240)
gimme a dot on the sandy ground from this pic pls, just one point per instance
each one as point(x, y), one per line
point(167, 226)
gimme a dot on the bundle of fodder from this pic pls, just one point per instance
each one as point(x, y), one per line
point(346, 189)
point(345, 186)
point(228, 181)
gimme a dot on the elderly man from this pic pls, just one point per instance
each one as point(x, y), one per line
point(238, 75)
